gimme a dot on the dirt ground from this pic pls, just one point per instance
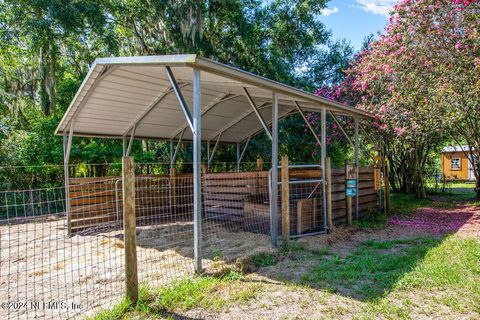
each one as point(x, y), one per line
point(86, 272)
point(461, 220)
point(278, 297)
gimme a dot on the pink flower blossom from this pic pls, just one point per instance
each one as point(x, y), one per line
point(399, 131)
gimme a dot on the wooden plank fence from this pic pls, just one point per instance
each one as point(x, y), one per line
point(96, 201)
point(225, 193)
point(236, 197)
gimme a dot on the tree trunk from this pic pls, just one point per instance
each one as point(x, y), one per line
point(477, 178)
point(408, 174)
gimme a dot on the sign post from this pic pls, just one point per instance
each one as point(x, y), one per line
point(350, 189)
point(378, 162)
point(377, 177)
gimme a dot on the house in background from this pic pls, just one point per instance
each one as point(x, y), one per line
point(456, 164)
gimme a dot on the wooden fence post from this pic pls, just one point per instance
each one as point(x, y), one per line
point(348, 199)
point(387, 186)
point(349, 211)
point(129, 228)
point(259, 164)
point(285, 200)
point(328, 177)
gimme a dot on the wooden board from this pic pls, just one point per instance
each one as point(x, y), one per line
point(308, 214)
point(226, 197)
point(226, 191)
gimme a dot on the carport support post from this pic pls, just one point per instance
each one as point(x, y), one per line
point(238, 156)
point(357, 169)
point(274, 175)
point(129, 228)
point(67, 146)
point(173, 189)
point(328, 177)
point(197, 172)
point(67, 184)
point(323, 156)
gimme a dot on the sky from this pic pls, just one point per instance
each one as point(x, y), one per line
point(355, 19)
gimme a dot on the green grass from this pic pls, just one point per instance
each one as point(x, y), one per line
point(385, 275)
point(405, 203)
point(262, 259)
point(455, 263)
point(190, 293)
point(392, 279)
point(125, 307)
point(372, 219)
point(205, 292)
point(455, 193)
point(372, 269)
point(447, 277)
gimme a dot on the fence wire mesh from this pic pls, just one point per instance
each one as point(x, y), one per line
point(54, 267)
point(306, 207)
point(44, 273)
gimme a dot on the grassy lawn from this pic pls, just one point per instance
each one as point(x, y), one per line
point(375, 273)
point(455, 191)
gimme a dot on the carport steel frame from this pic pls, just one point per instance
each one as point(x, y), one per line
point(194, 123)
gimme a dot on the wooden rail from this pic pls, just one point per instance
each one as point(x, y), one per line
point(224, 193)
point(97, 201)
point(235, 197)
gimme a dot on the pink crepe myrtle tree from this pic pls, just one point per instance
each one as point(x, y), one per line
point(336, 143)
point(421, 80)
point(462, 87)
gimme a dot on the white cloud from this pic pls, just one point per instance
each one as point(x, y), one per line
point(382, 7)
point(328, 11)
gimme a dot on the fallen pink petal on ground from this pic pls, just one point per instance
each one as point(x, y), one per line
point(463, 219)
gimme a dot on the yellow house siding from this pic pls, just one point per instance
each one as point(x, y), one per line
point(450, 174)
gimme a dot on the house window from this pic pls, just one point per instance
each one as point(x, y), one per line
point(455, 164)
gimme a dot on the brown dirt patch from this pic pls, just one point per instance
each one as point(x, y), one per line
point(39, 263)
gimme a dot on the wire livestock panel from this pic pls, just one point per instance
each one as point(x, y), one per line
point(305, 186)
point(235, 222)
point(164, 210)
point(25, 204)
point(45, 273)
point(306, 215)
point(165, 240)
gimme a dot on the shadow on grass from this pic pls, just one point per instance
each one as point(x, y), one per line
point(145, 308)
point(374, 268)
point(368, 272)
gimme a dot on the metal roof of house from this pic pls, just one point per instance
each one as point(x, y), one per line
point(123, 92)
point(456, 149)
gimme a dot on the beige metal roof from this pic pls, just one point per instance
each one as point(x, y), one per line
point(119, 93)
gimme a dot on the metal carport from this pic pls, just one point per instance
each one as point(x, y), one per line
point(189, 98)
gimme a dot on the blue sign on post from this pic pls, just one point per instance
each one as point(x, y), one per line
point(351, 187)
